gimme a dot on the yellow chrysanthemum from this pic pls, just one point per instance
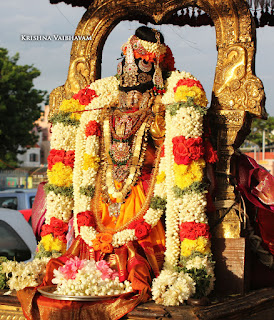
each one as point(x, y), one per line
point(184, 91)
point(72, 105)
point(60, 175)
point(185, 175)
point(161, 177)
point(201, 245)
point(90, 162)
point(50, 243)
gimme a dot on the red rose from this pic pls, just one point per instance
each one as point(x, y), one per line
point(85, 96)
point(69, 158)
point(59, 227)
point(193, 230)
point(189, 83)
point(46, 229)
point(93, 128)
point(133, 224)
point(62, 238)
point(142, 229)
point(187, 150)
point(85, 218)
point(55, 156)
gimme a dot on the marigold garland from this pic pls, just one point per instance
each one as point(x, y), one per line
point(185, 175)
point(200, 244)
point(60, 175)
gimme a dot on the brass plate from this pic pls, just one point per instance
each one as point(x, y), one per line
point(48, 291)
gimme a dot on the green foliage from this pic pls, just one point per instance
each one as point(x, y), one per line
point(257, 127)
point(158, 203)
point(65, 118)
point(194, 187)
point(64, 191)
point(3, 279)
point(87, 191)
point(174, 107)
point(201, 278)
point(19, 107)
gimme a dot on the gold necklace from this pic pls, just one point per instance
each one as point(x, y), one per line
point(139, 147)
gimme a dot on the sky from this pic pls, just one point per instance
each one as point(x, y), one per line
point(194, 49)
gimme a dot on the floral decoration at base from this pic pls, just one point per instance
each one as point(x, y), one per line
point(88, 278)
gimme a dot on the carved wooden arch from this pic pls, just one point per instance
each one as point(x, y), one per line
point(237, 95)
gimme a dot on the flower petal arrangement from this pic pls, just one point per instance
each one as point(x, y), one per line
point(88, 278)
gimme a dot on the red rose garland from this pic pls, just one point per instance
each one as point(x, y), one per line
point(187, 150)
point(193, 230)
point(93, 128)
point(85, 218)
point(85, 96)
point(66, 157)
point(142, 228)
point(189, 83)
point(57, 227)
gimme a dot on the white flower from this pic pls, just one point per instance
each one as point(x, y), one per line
point(188, 122)
point(172, 288)
point(63, 137)
point(58, 206)
point(88, 281)
point(29, 274)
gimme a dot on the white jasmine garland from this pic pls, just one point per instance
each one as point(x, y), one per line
point(172, 220)
point(92, 145)
point(192, 207)
point(63, 137)
point(58, 206)
point(172, 288)
point(153, 216)
point(188, 122)
point(25, 274)
point(120, 238)
point(88, 234)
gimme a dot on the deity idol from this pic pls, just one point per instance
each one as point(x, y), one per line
point(126, 176)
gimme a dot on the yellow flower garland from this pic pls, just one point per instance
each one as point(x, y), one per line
point(201, 245)
point(185, 175)
point(60, 175)
point(53, 244)
point(90, 162)
point(161, 177)
point(184, 91)
point(72, 105)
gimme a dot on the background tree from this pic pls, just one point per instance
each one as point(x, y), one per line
point(19, 108)
point(257, 128)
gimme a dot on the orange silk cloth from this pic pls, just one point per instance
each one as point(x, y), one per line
point(153, 245)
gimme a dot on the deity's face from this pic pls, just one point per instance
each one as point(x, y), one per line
point(130, 100)
point(133, 99)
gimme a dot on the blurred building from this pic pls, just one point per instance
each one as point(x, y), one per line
point(265, 159)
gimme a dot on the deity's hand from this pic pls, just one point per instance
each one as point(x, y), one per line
point(157, 129)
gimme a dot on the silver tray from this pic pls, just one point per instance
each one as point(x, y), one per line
point(48, 291)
